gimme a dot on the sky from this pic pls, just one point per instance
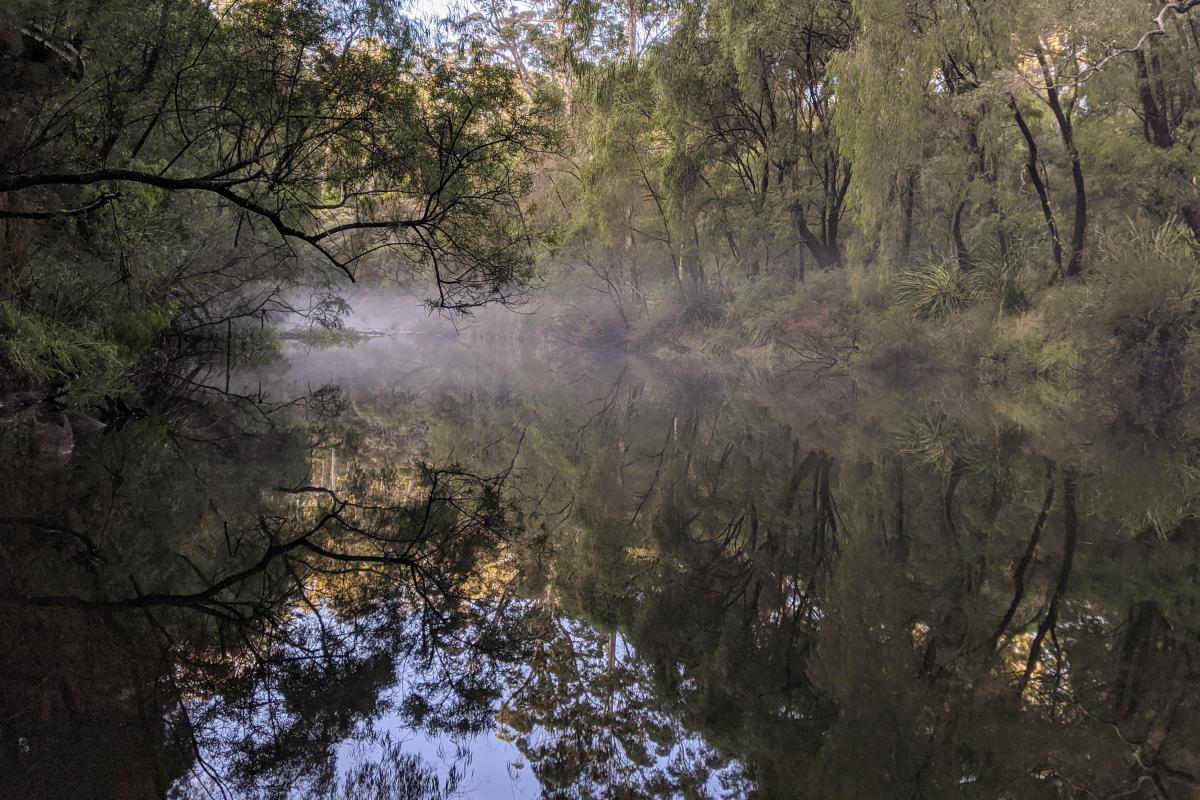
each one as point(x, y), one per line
point(430, 9)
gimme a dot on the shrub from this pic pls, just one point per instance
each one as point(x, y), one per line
point(1151, 298)
point(932, 290)
point(1001, 281)
point(39, 350)
point(697, 307)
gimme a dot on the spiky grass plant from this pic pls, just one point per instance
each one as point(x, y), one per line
point(932, 289)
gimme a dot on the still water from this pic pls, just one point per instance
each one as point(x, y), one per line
point(430, 565)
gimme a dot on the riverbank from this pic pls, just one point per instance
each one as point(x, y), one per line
point(1124, 335)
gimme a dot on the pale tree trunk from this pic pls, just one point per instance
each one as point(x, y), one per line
point(631, 25)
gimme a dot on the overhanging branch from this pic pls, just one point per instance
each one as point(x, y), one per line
point(223, 189)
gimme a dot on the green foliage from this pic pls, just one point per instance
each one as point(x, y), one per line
point(933, 290)
point(697, 307)
point(755, 307)
point(41, 350)
point(1002, 282)
point(938, 289)
point(933, 439)
point(304, 141)
point(1152, 282)
point(1028, 350)
point(137, 330)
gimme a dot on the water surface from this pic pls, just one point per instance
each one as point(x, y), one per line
point(432, 565)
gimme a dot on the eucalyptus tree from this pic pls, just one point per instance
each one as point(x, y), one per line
point(717, 147)
point(747, 109)
point(1143, 77)
point(324, 123)
point(552, 43)
point(1013, 110)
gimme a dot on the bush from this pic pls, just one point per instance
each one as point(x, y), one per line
point(1033, 348)
point(937, 289)
point(39, 350)
point(698, 307)
point(933, 290)
point(1151, 298)
point(1002, 282)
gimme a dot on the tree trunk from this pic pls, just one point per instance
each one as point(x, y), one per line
point(1075, 262)
point(691, 267)
point(631, 23)
point(961, 254)
point(1156, 127)
point(1191, 219)
point(566, 76)
point(1035, 177)
point(907, 196)
point(1047, 626)
point(826, 257)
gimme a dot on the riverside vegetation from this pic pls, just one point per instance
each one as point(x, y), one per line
point(1005, 188)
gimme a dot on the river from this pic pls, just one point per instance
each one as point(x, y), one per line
point(432, 565)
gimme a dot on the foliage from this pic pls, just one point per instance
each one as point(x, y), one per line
point(174, 167)
point(932, 291)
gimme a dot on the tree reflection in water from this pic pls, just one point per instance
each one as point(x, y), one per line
point(181, 598)
point(858, 601)
point(649, 584)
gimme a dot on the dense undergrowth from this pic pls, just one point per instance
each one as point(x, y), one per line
point(1127, 332)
